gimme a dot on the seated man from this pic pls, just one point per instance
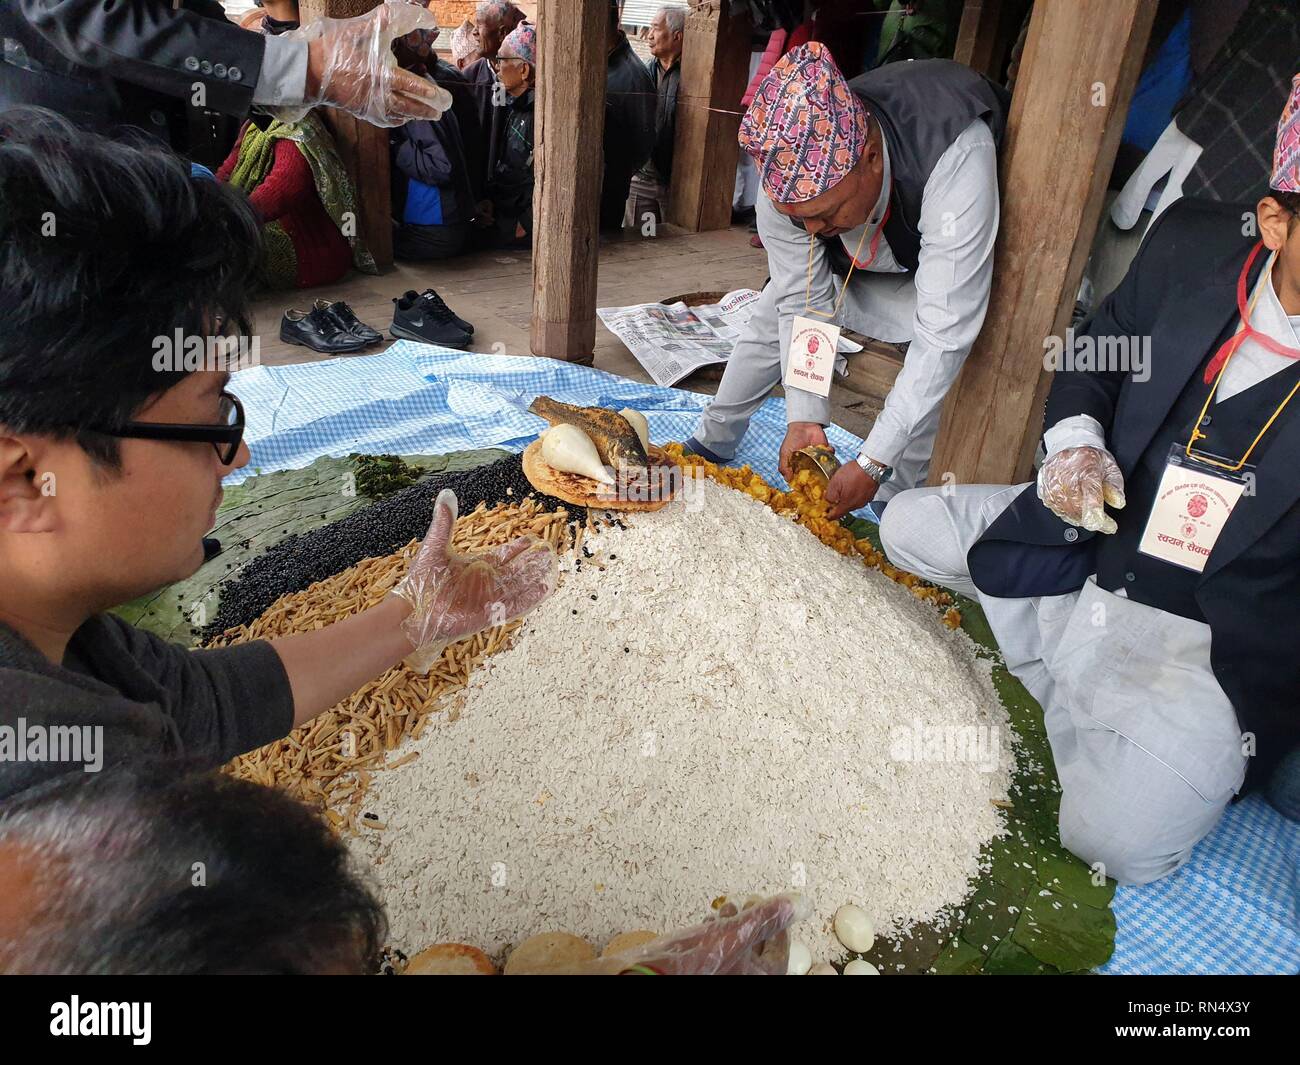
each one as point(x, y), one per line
point(112, 455)
point(1157, 638)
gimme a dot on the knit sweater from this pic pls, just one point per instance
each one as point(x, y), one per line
point(288, 196)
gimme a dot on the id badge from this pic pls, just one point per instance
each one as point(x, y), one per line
point(1192, 505)
point(811, 358)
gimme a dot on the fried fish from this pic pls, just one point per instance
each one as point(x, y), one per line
point(615, 439)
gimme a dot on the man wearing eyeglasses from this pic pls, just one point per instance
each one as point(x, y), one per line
point(111, 466)
point(1144, 590)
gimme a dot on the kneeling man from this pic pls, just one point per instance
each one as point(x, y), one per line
point(1157, 636)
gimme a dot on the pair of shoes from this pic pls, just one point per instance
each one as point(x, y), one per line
point(329, 328)
point(424, 317)
point(741, 215)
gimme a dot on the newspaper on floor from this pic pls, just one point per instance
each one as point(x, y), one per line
point(671, 340)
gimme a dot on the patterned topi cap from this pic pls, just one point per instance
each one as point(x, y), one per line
point(805, 128)
point(1286, 155)
point(520, 43)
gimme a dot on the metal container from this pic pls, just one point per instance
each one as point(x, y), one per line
point(818, 458)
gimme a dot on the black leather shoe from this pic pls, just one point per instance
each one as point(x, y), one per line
point(319, 331)
point(440, 309)
point(347, 319)
point(417, 320)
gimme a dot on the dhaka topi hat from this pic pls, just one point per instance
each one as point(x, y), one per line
point(520, 43)
point(805, 127)
point(1286, 155)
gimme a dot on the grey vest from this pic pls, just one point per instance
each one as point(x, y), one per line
point(923, 106)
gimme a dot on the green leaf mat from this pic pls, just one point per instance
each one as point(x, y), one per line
point(1038, 908)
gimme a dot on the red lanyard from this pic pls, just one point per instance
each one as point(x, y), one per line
point(1247, 331)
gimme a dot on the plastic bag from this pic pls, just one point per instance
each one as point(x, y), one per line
point(749, 938)
point(351, 66)
point(1075, 482)
point(453, 595)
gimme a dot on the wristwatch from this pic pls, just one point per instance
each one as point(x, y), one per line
point(877, 472)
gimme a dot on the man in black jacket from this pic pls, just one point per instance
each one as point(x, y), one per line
point(649, 195)
point(630, 105)
point(1157, 637)
point(109, 63)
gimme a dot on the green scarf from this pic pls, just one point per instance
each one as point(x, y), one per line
point(333, 186)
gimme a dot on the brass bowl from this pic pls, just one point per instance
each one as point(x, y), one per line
point(819, 459)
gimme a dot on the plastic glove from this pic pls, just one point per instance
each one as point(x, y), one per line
point(351, 65)
point(453, 596)
point(1075, 482)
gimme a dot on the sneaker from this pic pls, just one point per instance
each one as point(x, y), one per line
point(441, 309)
point(415, 319)
point(319, 331)
point(347, 319)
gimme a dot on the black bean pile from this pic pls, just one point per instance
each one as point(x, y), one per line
point(376, 530)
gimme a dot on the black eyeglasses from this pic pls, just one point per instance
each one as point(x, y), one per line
point(224, 437)
point(495, 61)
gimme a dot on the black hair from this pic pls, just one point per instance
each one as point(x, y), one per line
point(1289, 200)
point(159, 870)
point(105, 246)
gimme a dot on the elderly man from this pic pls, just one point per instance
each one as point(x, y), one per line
point(143, 63)
point(147, 870)
point(879, 212)
point(494, 20)
point(1157, 637)
point(649, 198)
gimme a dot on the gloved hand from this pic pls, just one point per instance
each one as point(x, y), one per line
point(351, 65)
point(453, 596)
point(1075, 482)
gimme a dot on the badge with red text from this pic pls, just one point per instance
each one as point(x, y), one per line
point(1192, 505)
point(812, 355)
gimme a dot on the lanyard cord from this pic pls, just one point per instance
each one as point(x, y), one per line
point(1240, 339)
point(853, 265)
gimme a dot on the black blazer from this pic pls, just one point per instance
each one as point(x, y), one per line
point(1181, 292)
point(105, 63)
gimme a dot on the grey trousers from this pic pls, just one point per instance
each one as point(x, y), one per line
point(1147, 747)
point(877, 305)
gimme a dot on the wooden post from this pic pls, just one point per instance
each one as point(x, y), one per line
point(362, 147)
point(981, 38)
point(1080, 65)
point(572, 63)
point(715, 72)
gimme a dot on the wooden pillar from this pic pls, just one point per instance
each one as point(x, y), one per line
point(715, 72)
point(362, 147)
point(1081, 62)
point(981, 42)
point(572, 61)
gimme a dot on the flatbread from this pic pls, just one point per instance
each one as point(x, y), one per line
point(586, 491)
point(450, 959)
point(627, 941)
point(547, 951)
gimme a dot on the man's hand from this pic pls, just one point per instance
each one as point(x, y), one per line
point(351, 65)
point(851, 487)
point(453, 596)
point(799, 435)
point(1075, 482)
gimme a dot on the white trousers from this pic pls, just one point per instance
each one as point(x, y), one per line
point(1147, 746)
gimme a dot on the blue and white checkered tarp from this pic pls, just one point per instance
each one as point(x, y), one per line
point(417, 399)
point(1235, 906)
